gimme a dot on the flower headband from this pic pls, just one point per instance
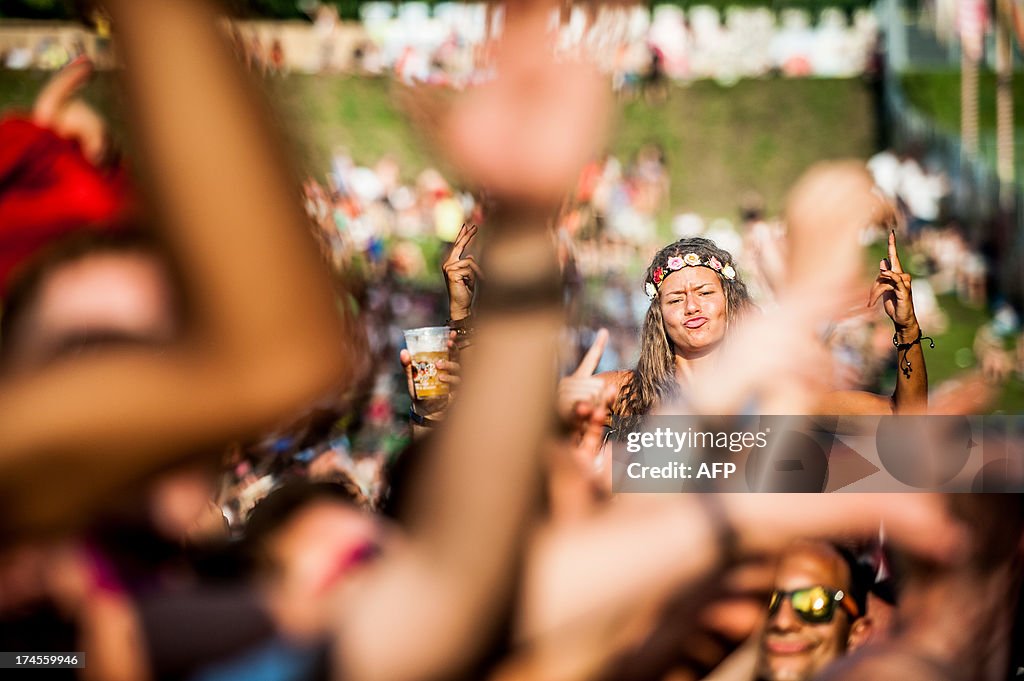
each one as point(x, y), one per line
point(677, 263)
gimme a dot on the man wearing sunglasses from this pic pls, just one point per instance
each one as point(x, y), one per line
point(816, 612)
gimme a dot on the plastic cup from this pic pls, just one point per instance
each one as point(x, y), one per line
point(428, 346)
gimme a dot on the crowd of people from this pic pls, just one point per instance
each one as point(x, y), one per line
point(637, 45)
point(447, 43)
point(206, 409)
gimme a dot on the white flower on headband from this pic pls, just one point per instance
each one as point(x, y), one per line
point(650, 290)
point(692, 259)
point(675, 263)
point(728, 272)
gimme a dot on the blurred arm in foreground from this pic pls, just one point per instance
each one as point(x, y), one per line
point(263, 337)
point(439, 598)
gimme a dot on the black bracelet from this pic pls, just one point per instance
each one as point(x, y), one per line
point(522, 296)
point(461, 327)
point(421, 420)
point(904, 363)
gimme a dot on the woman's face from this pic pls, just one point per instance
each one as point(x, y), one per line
point(694, 309)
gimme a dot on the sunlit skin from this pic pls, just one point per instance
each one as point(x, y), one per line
point(694, 308)
point(792, 649)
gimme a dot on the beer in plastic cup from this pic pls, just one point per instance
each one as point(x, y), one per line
point(427, 346)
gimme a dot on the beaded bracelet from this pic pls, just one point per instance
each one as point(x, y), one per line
point(904, 363)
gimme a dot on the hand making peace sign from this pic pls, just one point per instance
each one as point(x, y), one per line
point(579, 392)
point(460, 274)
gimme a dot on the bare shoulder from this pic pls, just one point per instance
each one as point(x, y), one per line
point(617, 378)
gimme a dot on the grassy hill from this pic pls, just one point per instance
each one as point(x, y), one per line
point(720, 142)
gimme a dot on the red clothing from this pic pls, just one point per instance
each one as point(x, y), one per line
point(49, 189)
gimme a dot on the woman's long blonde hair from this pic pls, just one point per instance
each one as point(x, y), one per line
point(653, 380)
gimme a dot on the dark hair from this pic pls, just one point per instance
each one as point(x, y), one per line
point(862, 578)
point(278, 507)
point(653, 379)
point(402, 475)
point(275, 510)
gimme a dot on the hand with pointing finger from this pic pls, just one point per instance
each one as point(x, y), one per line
point(893, 287)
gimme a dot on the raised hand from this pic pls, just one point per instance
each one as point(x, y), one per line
point(57, 108)
point(893, 287)
point(826, 212)
point(448, 371)
point(460, 274)
point(526, 135)
point(579, 393)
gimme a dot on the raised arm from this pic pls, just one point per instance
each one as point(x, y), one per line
point(263, 336)
point(892, 287)
point(440, 597)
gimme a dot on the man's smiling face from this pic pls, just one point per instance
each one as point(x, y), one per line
point(793, 649)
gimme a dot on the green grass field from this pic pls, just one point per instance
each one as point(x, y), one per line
point(720, 142)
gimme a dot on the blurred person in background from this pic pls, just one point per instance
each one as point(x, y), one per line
point(304, 538)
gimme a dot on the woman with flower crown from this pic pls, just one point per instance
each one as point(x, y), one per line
point(697, 296)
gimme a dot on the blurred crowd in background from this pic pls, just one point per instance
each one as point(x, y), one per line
point(447, 43)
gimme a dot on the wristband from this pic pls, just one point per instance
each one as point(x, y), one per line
point(524, 295)
point(904, 363)
point(461, 327)
point(421, 420)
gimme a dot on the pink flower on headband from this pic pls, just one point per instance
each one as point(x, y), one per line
point(675, 263)
point(658, 276)
point(715, 264)
point(692, 259)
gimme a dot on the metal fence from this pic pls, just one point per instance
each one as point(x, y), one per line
point(996, 232)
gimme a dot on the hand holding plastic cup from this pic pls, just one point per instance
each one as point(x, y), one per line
point(428, 346)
